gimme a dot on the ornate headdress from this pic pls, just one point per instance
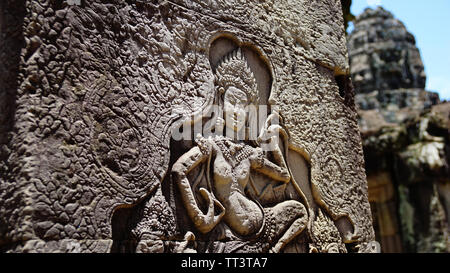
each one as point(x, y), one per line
point(233, 70)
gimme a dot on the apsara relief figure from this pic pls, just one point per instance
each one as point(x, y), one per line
point(229, 164)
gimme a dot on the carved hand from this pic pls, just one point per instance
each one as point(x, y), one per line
point(271, 136)
point(220, 124)
point(271, 129)
point(274, 132)
point(285, 174)
point(205, 223)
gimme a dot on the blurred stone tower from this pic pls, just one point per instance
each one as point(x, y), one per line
point(383, 54)
point(405, 134)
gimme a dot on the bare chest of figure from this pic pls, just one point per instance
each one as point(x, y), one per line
point(242, 214)
point(227, 175)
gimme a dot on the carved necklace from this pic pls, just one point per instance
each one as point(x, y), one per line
point(233, 152)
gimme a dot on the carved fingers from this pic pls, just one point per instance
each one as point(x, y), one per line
point(206, 222)
point(273, 118)
point(271, 130)
point(209, 198)
point(275, 172)
point(220, 124)
point(285, 175)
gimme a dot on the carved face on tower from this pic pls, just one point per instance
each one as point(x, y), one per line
point(237, 86)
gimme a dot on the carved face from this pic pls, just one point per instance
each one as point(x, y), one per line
point(235, 103)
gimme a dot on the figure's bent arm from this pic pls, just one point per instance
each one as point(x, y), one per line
point(278, 172)
point(274, 171)
point(185, 164)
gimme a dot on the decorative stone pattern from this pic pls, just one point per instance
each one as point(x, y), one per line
point(87, 159)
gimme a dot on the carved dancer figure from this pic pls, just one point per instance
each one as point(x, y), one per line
point(232, 162)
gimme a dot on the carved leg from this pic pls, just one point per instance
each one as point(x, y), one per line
point(189, 237)
point(285, 213)
point(294, 230)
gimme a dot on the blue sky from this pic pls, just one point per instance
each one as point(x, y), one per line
point(429, 22)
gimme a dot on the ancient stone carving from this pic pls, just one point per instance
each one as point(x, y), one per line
point(234, 193)
point(87, 155)
point(232, 163)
